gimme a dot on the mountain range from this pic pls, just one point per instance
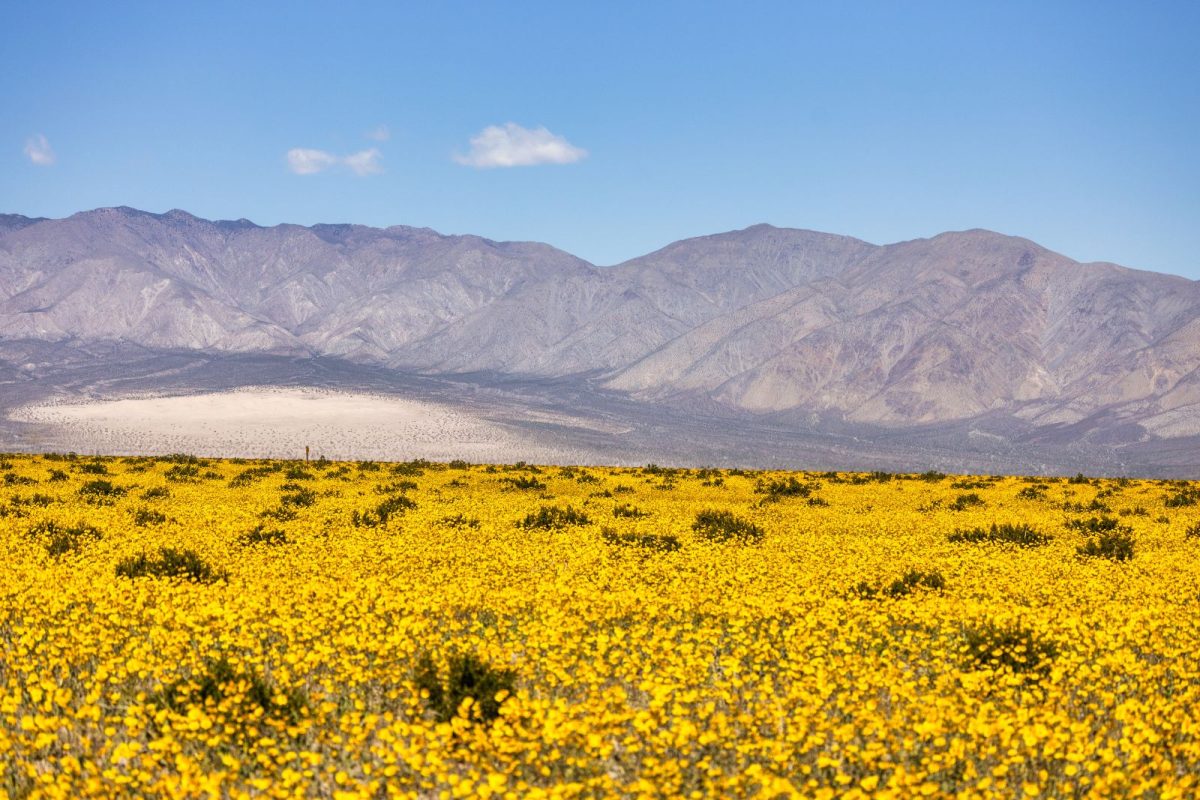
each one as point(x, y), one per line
point(762, 326)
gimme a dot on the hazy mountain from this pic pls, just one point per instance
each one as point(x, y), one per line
point(771, 322)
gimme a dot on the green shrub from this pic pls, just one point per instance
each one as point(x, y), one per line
point(1032, 493)
point(156, 493)
point(932, 476)
point(302, 499)
point(525, 482)
point(664, 542)
point(261, 534)
point(144, 517)
point(57, 476)
point(182, 473)
point(553, 517)
point(1014, 648)
point(94, 468)
point(382, 512)
point(169, 562)
point(466, 676)
point(251, 475)
point(725, 526)
point(787, 487)
point(101, 489)
point(219, 680)
point(458, 521)
point(1193, 532)
point(1095, 525)
point(1188, 496)
point(631, 511)
point(1019, 534)
point(1115, 546)
point(965, 501)
point(396, 487)
point(911, 581)
point(59, 540)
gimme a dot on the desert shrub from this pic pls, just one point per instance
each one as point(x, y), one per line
point(183, 458)
point(368, 466)
point(1193, 532)
point(458, 463)
point(170, 562)
point(665, 472)
point(1032, 493)
point(725, 526)
point(35, 499)
point(101, 489)
point(466, 676)
point(298, 473)
point(382, 512)
point(57, 476)
point(787, 487)
point(416, 467)
point(1008, 647)
point(397, 487)
point(932, 476)
point(279, 513)
point(661, 542)
point(13, 479)
point(261, 534)
point(911, 581)
point(1019, 533)
point(144, 517)
point(94, 468)
point(1080, 508)
point(631, 511)
point(1079, 478)
point(622, 489)
point(971, 483)
point(1114, 545)
point(1188, 496)
point(251, 475)
point(1094, 525)
point(59, 539)
point(524, 482)
point(301, 499)
point(458, 521)
point(182, 473)
point(219, 681)
point(156, 493)
point(965, 501)
point(553, 517)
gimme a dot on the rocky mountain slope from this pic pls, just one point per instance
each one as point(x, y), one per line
point(765, 322)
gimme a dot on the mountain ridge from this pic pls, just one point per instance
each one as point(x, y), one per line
point(758, 321)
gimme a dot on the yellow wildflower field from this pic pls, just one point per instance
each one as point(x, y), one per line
point(211, 628)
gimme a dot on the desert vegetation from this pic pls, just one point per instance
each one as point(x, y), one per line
point(178, 627)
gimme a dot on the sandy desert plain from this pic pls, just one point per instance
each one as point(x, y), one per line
point(279, 422)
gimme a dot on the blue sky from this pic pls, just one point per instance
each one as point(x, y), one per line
point(624, 125)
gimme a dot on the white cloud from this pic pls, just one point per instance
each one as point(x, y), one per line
point(510, 145)
point(380, 133)
point(364, 162)
point(307, 161)
point(39, 151)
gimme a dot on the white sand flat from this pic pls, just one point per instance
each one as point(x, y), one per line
point(279, 423)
